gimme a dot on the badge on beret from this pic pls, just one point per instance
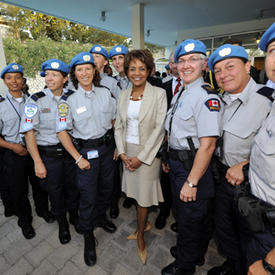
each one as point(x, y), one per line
point(213, 104)
point(118, 49)
point(63, 109)
point(225, 52)
point(97, 49)
point(55, 65)
point(15, 67)
point(189, 47)
point(30, 110)
point(86, 57)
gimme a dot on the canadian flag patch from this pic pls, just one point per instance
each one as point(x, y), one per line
point(28, 120)
point(213, 104)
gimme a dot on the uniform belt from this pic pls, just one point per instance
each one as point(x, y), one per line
point(175, 154)
point(185, 156)
point(54, 151)
point(104, 140)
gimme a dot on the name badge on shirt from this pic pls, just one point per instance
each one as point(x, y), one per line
point(81, 110)
point(45, 110)
point(92, 154)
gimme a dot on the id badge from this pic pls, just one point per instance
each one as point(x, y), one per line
point(92, 154)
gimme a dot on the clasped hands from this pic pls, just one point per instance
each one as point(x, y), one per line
point(131, 163)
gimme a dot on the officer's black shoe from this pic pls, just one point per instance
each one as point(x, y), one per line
point(173, 252)
point(114, 211)
point(89, 249)
point(28, 231)
point(64, 233)
point(107, 225)
point(173, 269)
point(227, 268)
point(47, 216)
point(128, 202)
point(73, 219)
point(174, 227)
point(160, 221)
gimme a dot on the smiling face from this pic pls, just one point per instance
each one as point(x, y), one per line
point(118, 62)
point(190, 67)
point(232, 74)
point(270, 61)
point(138, 73)
point(85, 74)
point(14, 82)
point(55, 81)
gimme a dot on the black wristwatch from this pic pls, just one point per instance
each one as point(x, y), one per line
point(191, 184)
point(268, 267)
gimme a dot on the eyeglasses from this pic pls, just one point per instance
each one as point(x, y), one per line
point(191, 61)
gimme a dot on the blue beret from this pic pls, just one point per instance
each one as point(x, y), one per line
point(116, 50)
point(224, 52)
point(167, 67)
point(100, 50)
point(82, 58)
point(54, 65)
point(267, 37)
point(189, 46)
point(12, 68)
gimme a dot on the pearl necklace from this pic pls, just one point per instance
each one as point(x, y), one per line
point(138, 98)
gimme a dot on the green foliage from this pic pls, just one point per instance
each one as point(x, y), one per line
point(32, 53)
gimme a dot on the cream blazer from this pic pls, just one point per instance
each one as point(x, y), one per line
point(151, 121)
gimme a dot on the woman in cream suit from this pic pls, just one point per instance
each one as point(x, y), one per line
point(139, 132)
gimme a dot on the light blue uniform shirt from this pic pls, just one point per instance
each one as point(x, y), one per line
point(89, 115)
point(40, 116)
point(241, 121)
point(193, 118)
point(262, 161)
point(110, 83)
point(10, 110)
point(124, 82)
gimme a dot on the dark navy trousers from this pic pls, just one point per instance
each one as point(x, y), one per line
point(95, 186)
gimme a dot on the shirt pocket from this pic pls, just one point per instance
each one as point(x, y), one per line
point(241, 130)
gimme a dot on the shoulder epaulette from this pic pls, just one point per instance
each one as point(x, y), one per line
point(209, 89)
point(119, 86)
point(102, 86)
point(1, 99)
point(66, 95)
point(267, 92)
point(38, 95)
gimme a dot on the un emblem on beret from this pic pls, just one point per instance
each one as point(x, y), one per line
point(118, 49)
point(225, 52)
point(86, 57)
point(97, 49)
point(15, 67)
point(55, 65)
point(189, 47)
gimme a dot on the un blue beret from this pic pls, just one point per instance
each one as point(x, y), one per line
point(82, 58)
point(54, 65)
point(267, 37)
point(189, 46)
point(224, 52)
point(12, 68)
point(100, 50)
point(116, 50)
point(167, 67)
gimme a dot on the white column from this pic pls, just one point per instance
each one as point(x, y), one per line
point(138, 26)
point(3, 87)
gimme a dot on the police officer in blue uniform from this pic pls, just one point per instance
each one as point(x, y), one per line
point(193, 125)
point(261, 174)
point(87, 116)
point(19, 168)
point(246, 107)
point(53, 165)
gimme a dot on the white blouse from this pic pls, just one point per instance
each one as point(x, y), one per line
point(132, 134)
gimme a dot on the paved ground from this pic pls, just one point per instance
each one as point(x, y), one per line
point(117, 256)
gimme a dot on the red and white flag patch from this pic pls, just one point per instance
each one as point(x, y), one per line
point(213, 104)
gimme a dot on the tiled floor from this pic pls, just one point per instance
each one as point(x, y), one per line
point(45, 255)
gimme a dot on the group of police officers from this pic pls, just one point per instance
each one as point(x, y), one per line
point(219, 152)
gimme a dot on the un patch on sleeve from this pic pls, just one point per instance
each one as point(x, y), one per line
point(213, 104)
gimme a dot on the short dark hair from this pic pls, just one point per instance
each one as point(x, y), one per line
point(145, 56)
point(96, 79)
point(233, 41)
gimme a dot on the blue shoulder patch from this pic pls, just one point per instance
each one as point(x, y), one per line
point(1, 99)
point(213, 105)
point(267, 92)
point(66, 95)
point(38, 95)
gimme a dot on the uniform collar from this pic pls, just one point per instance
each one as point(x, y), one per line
point(13, 98)
point(197, 82)
point(83, 92)
point(245, 94)
point(49, 93)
